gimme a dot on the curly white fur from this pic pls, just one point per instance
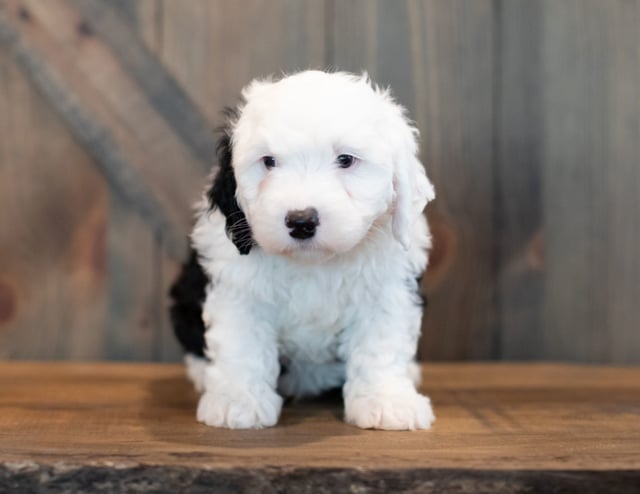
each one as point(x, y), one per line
point(340, 307)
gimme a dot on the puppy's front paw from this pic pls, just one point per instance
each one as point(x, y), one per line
point(392, 411)
point(240, 409)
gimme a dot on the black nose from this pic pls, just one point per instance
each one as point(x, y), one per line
point(302, 223)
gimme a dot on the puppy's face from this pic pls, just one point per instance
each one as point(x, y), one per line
point(316, 158)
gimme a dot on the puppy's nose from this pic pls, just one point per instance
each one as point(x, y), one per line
point(302, 223)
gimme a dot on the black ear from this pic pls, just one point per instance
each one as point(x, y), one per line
point(222, 195)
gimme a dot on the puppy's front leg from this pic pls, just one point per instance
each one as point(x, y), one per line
point(240, 382)
point(379, 392)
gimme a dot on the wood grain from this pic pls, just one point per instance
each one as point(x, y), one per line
point(165, 95)
point(140, 271)
point(457, 76)
point(130, 308)
point(518, 204)
point(591, 152)
point(133, 305)
point(500, 418)
point(530, 122)
point(52, 231)
point(215, 47)
point(107, 111)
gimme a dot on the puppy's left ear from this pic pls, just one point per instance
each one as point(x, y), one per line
point(413, 190)
point(222, 195)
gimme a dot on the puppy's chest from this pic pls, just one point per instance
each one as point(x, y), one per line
point(310, 316)
point(313, 343)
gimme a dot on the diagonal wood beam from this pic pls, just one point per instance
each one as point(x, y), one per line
point(162, 90)
point(146, 137)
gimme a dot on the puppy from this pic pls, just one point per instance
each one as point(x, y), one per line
point(307, 251)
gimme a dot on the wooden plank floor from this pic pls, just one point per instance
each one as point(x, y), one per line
point(500, 427)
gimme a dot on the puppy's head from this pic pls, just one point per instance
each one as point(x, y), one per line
point(311, 163)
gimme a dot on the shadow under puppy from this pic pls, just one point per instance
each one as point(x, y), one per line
point(306, 253)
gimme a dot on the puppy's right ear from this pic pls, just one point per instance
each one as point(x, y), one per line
point(222, 195)
point(412, 188)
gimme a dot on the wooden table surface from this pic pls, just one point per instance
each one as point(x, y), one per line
point(500, 427)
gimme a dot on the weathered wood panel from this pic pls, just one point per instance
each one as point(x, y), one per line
point(216, 47)
point(457, 77)
point(107, 110)
point(518, 183)
point(438, 58)
point(591, 167)
point(530, 121)
point(53, 220)
point(126, 128)
point(140, 271)
point(164, 94)
point(133, 305)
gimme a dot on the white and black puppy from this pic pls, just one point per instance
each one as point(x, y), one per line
point(306, 254)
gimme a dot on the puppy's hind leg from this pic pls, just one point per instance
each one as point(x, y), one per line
point(187, 294)
point(196, 367)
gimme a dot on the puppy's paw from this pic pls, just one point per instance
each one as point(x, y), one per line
point(391, 411)
point(240, 409)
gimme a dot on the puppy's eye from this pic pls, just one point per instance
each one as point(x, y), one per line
point(269, 161)
point(345, 160)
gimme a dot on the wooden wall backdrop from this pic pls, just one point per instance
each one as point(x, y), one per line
point(530, 121)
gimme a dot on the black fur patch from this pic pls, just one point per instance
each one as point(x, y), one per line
point(222, 195)
point(188, 294)
point(421, 297)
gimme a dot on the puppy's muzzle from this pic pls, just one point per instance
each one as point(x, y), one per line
point(302, 224)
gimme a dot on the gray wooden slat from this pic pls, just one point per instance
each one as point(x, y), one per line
point(128, 9)
point(145, 17)
point(353, 45)
point(215, 47)
point(591, 156)
point(518, 209)
point(167, 348)
point(624, 185)
point(132, 309)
